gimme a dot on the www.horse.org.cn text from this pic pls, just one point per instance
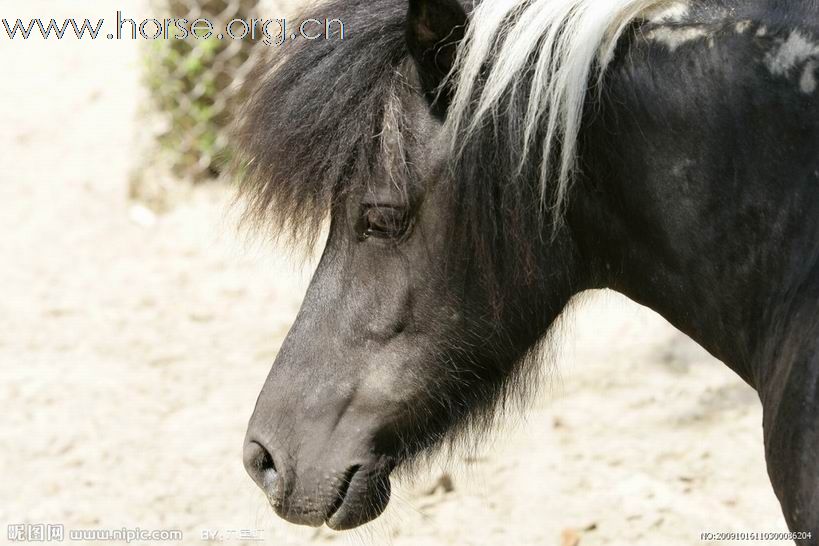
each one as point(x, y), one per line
point(272, 32)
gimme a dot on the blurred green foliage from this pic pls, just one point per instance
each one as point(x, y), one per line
point(192, 85)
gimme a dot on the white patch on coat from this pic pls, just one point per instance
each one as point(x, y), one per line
point(808, 81)
point(743, 26)
point(674, 37)
point(673, 13)
point(790, 53)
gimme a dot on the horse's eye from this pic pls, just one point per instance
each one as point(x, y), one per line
point(382, 222)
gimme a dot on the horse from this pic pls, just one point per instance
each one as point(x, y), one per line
point(472, 166)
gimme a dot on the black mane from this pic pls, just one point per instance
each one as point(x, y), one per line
point(310, 130)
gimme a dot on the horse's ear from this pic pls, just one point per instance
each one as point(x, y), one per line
point(434, 29)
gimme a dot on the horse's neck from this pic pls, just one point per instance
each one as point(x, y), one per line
point(702, 203)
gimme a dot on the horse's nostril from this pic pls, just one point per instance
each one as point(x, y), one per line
point(261, 467)
point(269, 473)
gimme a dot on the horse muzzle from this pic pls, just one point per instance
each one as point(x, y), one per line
point(340, 491)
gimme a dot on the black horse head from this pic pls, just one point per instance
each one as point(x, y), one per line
point(412, 327)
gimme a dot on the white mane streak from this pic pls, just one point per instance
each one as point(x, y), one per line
point(565, 39)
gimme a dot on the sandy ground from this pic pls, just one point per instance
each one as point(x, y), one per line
point(132, 349)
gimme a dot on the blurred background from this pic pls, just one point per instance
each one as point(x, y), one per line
point(137, 325)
